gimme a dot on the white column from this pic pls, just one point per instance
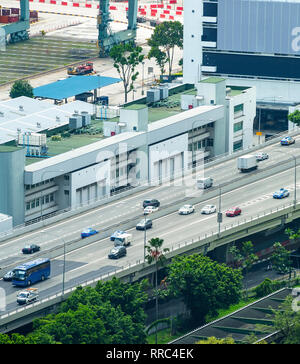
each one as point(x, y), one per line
point(192, 43)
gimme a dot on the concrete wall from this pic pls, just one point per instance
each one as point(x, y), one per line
point(192, 35)
point(12, 166)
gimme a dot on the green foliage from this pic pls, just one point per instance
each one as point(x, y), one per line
point(213, 340)
point(111, 313)
point(21, 88)
point(287, 322)
point(56, 138)
point(126, 58)
point(265, 288)
point(295, 117)
point(165, 38)
point(205, 285)
point(280, 258)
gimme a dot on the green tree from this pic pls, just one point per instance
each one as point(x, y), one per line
point(156, 254)
point(280, 258)
point(245, 257)
point(165, 38)
point(21, 88)
point(160, 58)
point(213, 340)
point(295, 117)
point(265, 288)
point(287, 321)
point(126, 58)
point(205, 285)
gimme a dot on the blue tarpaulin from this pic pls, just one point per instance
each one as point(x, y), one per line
point(73, 86)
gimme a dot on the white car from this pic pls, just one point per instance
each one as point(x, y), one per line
point(186, 210)
point(149, 209)
point(262, 156)
point(208, 209)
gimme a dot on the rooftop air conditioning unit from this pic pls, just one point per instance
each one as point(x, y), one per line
point(21, 108)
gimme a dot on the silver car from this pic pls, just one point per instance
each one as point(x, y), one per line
point(262, 156)
point(208, 209)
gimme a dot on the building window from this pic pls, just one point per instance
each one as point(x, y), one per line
point(210, 142)
point(28, 206)
point(33, 204)
point(51, 197)
point(66, 192)
point(239, 110)
point(237, 145)
point(47, 199)
point(37, 202)
point(238, 126)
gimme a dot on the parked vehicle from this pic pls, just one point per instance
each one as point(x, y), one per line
point(208, 209)
point(144, 224)
point(204, 183)
point(186, 210)
point(88, 232)
point(247, 163)
point(116, 234)
point(234, 211)
point(31, 272)
point(149, 209)
point(8, 276)
point(124, 239)
point(262, 156)
point(117, 252)
point(151, 202)
point(27, 296)
point(282, 193)
point(83, 69)
point(287, 141)
point(29, 249)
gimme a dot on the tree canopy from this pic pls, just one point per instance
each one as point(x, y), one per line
point(126, 58)
point(165, 38)
point(205, 285)
point(21, 88)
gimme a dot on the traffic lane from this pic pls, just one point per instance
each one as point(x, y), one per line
point(92, 218)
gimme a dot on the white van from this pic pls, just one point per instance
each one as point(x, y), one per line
point(204, 183)
point(123, 239)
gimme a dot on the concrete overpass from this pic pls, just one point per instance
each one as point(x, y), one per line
point(265, 220)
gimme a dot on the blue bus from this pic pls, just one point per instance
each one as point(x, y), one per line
point(28, 273)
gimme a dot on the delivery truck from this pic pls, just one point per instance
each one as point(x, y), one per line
point(247, 163)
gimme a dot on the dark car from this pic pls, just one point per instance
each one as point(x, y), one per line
point(152, 202)
point(29, 249)
point(144, 224)
point(117, 252)
point(8, 276)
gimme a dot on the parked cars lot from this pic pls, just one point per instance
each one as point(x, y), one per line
point(208, 209)
point(117, 252)
point(29, 249)
point(88, 232)
point(282, 193)
point(234, 211)
point(287, 140)
point(186, 210)
point(144, 224)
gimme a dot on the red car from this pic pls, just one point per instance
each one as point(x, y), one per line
point(234, 211)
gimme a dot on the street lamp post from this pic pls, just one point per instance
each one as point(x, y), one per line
point(145, 237)
point(64, 270)
point(220, 216)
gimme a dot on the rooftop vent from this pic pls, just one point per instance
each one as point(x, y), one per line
point(21, 108)
point(38, 125)
point(1, 114)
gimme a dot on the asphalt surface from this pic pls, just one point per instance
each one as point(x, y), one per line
point(91, 261)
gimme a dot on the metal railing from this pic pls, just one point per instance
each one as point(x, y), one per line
point(210, 236)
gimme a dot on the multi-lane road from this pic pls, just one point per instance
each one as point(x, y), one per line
point(91, 261)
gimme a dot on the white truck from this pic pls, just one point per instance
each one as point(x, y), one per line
point(27, 296)
point(123, 239)
point(247, 163)
point(204, 183)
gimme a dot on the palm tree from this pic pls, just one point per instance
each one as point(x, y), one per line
point(156, 254)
